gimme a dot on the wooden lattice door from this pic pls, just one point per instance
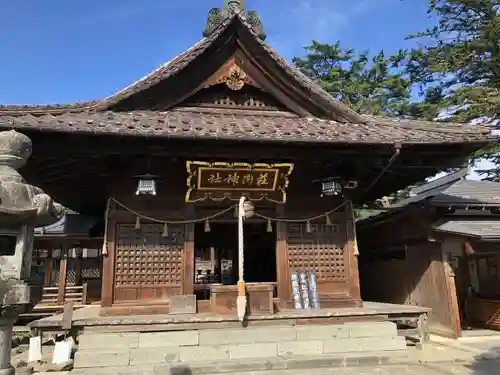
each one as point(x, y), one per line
point(323, 250)
point(148, 265)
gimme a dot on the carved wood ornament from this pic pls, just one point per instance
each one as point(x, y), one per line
point(232, 74)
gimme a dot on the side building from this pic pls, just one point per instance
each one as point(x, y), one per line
point(442, 245)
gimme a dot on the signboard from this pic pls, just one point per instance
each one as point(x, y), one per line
point(185, 304)
point(218, 181)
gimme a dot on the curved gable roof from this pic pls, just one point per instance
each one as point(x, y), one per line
point(318, 106)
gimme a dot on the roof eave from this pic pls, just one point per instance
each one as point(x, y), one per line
point(469, 235)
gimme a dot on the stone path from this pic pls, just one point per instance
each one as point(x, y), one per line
point(455, 358)
point(491, 367)
point(479, 368)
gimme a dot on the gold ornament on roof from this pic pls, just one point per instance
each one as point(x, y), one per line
point(235, 78)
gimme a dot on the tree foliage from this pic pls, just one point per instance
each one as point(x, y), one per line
point(454, 66)
point(457, 66)
point(370, 85)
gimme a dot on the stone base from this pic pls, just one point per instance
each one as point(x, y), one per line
point(233, 345)
point(6, 326)
point(256, 365)
point(8, 371)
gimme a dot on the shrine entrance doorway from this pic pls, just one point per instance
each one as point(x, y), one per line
point(216, 255)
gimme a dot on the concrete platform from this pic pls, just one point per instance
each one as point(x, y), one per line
point(274, 345)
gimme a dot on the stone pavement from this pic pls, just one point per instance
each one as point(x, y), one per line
point(479, 368)
point(478, 347)
point(448, 357)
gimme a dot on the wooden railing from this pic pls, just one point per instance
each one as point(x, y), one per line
point(53, 301)
point(52, 298)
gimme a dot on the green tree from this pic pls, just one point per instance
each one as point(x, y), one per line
point(370, 85)
point(457, 67)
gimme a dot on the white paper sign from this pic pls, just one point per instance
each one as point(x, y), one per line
point(62, 352)
point(35, 349)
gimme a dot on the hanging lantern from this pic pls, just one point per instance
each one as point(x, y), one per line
point(207, 226)
point(146, 185)
point(331, 187)
point(137, 223)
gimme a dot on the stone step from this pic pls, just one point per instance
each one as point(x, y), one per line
point(253, 335)
point(254, 364)
point(134, 356)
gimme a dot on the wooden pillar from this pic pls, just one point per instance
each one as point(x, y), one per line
point(188, 258)
point(78, 265)
point(282, 268)
point(48, 265)
point(108, 266)
point(63, 271)
point(353, 271)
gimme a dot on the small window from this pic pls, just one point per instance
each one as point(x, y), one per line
point(7, 245)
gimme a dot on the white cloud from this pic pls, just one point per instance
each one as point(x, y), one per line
point(311, 20)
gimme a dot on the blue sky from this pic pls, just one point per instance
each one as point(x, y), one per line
point(66, 51)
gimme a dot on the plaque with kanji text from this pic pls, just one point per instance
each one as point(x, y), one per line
point(219, 181)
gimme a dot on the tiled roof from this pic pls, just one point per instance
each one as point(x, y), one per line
point(454, 190)
point(470, 192)
point(480, 228)
point(195, 123)
point(351, 127)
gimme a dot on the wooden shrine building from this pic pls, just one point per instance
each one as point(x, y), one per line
point(442, 244)
point(226, 118)
point(67, 262)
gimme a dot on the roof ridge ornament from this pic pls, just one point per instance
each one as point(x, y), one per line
point(231, 8)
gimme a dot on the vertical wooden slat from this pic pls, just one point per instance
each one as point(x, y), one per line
point(188, 255)
point(282, 269)
point(63, 270)
point(352, 258)
point(108, 266)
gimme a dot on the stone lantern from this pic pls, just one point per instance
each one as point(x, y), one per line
point(22, 208)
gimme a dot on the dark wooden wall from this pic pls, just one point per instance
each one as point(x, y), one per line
point(400, 264)
point(133, 276)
